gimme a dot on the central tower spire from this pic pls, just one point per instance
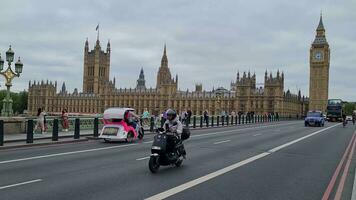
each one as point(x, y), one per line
point(164, 61)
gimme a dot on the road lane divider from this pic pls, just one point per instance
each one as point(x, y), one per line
point(66, 153)
point(227, 169)
point(19, 184)
point(144, 158)
point(332, 182)
point(127, 145)
point(340, 188)
point(258, 134)
point(242, 129)
point(220, 142)
point(300, 139)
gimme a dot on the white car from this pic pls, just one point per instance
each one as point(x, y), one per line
point(349, 118)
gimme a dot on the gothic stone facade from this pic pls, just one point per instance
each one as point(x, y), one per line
point(100, 93)
point(319, 70)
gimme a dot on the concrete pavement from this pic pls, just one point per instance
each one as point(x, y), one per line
point(96, 170)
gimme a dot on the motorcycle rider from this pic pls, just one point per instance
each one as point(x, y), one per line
point(344, 122)
point(174, 129)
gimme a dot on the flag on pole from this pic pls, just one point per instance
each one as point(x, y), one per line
point(97, 27)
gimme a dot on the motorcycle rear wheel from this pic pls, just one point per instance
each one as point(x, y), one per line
point(153, 164)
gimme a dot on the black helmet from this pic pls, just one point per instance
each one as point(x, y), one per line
point(171, 114)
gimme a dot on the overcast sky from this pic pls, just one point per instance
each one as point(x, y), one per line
point(207, 41)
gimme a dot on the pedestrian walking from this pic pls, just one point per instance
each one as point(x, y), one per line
point(206, 117)
point(40, 122)
point(65, 123)
point(189, 116)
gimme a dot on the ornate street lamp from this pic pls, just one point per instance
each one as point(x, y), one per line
point(9, 75)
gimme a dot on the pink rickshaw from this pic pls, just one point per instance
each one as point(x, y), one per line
point(119, 125)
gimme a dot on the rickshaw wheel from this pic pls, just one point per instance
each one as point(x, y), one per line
point(130, 137)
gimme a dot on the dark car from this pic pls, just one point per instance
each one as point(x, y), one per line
point(314, 118)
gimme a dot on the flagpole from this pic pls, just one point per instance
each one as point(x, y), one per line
point(98, 27)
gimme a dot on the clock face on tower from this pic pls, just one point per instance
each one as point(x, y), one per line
point(318, 56)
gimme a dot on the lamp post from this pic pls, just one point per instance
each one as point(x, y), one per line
point(9, 75)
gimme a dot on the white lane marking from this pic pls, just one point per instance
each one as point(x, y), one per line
point(257, 134)
point(205, 178)
point(114, 147)
point(18, 184)
point(353, 196)
point(65, 153)
point(236, 130)
point(222, 171)
point(299, 139)
point(144, 158)
point(222, 142)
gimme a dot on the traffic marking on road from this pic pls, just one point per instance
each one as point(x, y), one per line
point(65, 153)
point(242, 129)
point(257, 134)
point(144, 158)
point(338, 169)
point(222, 142)
point(19, 184)
point(340, 188)
point(121, 146)
point(222, 171)
point(300, 139)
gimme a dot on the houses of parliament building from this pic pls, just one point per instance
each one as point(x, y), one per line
point(99, 92)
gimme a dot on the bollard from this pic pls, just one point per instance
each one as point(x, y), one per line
point(222, 120)
point(227, 120)
point(29, 134)
point(77, 129)
point(243, 119)
point(236, 120)
point(212, 121)
point(239, 119)
point(96, 127)
point(55, 130)
point(1, 132)
point(152, 123)
point(232, 120)
point(194, 121)
point(217, 120)
point(201, 121)
point(255, 118)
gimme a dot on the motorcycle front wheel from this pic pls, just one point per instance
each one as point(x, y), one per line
point(153, 164)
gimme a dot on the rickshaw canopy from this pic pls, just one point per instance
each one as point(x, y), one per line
point(116, 113)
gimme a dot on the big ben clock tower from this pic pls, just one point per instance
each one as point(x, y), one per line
point(319, 70)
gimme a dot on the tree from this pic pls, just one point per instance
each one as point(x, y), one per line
point(19, 101)
point(349, 108)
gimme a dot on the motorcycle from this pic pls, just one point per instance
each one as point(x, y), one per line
point(164, 153)
point(344, 123)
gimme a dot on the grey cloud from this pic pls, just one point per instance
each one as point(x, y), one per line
point(208, 41)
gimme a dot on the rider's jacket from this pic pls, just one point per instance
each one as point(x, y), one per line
point(174, 126)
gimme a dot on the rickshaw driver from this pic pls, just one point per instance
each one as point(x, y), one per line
point(131, 119)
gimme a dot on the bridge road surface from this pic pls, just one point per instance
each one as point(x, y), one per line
point(300, 167)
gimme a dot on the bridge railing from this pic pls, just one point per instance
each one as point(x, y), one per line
point(93, 125)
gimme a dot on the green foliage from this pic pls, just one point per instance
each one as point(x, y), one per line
point(19, 101)
point(349, 108)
